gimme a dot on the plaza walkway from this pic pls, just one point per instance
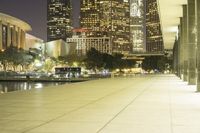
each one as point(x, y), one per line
point(142, 104)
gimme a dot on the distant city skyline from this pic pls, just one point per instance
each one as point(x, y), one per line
point(34, 12)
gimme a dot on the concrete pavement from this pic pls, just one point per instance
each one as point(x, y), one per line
point(142, 104)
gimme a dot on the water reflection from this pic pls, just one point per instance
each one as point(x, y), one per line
point(21, 86)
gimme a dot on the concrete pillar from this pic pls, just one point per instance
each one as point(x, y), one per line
point(191, 43)
point(175, 57)
point(185, 47)
point(198, 43)
point(8, 35)
point(18, 37)
point(178, 53)
point(181, 48)
point(1, 43)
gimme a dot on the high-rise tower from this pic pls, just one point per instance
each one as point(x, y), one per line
point(110, 18)
point(154, 39)
point(59, 25)
point(137, 25)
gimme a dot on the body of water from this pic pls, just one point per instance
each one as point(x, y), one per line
point(6, 87)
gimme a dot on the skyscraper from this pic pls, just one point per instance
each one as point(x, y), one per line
point(90, 17)
point(59, 25)
point(137, 25)
point(110, 18)
point(154, 39)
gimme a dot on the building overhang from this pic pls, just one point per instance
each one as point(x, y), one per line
point(15, 21)
point(170, 12)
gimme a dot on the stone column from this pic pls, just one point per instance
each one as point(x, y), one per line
point(22, 39)
point(14, 36)
point(19, 37)
point(1, 43)
point(8, 35)
point(198, 43)
point(185, 46)
point(191, 43)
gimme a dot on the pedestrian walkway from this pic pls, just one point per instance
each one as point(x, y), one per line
point(142, 104)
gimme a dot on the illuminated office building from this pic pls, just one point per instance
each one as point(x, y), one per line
point(84, 44)
point(137, 25)
point(109, 18)
point(154, 39)
point(90, 17)
point(59, 23)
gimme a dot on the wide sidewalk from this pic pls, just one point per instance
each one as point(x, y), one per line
point(142, 104)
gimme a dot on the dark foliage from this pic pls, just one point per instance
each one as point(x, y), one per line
point(97, 60)
point(159, 63)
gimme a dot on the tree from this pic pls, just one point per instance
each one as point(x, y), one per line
point(49, 64)
point(70, 59)
point(13, 57)
point(108, 61)
point(3, 60)
point(118, 63)
point(150, 63)
point(97, 60)
point(129, 63)
point(23, 58)
point(155, 62)
point(94, 59)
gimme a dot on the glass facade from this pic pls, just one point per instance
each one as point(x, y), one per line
point(154, 39)
point(59, 25)
point(137, 25)
point(110, 18)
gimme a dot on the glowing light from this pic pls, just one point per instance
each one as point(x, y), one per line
point(38, 86)
point(38, 63)
point(173, 29)
point(75, 64)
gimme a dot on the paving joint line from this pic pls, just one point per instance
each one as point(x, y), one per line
point(144, 90)
point(112, 93)
point(170, 111)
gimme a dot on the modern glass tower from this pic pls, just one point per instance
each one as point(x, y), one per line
point(59, 25)
point(137, 25)
point(110, 18)
point(154, 39)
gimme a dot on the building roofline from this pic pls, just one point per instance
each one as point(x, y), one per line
point(15, 21)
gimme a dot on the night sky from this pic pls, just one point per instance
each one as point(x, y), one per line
point(34, 12)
